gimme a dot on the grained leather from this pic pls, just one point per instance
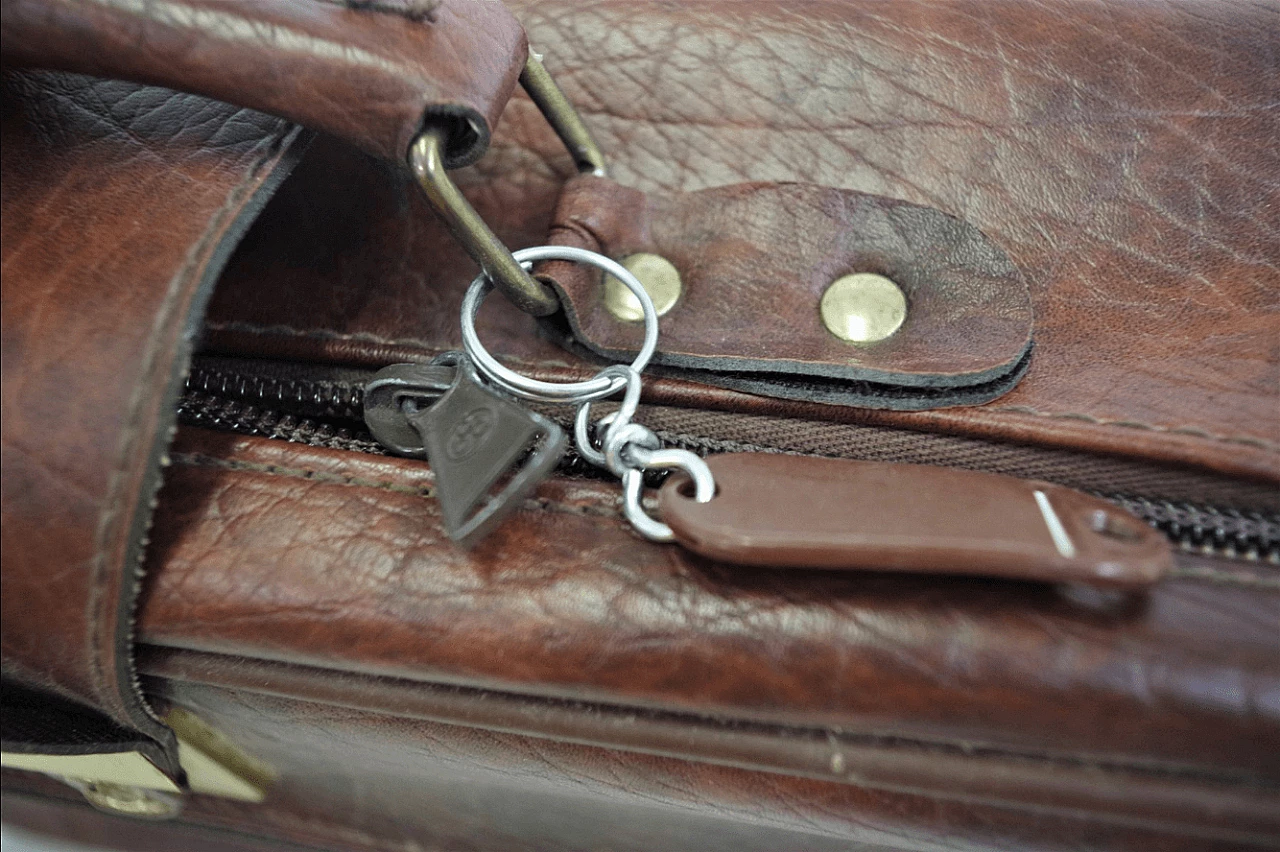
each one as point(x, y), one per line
point(1121, 153)
point(754, 261)
point(120, 204)
point(267, 553)
point(275, 551)
point(365, 72)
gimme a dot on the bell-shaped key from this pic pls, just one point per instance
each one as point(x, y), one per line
point(487, 451)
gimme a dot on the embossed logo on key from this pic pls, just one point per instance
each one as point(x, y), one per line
point(487, 451)
point(470, 433)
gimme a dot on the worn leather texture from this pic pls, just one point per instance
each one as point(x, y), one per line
point(120, 205)
point(283, 573)
point(366, 72)
point(754, 261)
point(1122, 155)
point(567, 685)
point(415, 784)
point(276, 551)
point(423, 777)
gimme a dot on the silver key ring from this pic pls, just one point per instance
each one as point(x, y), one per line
point(599, 386)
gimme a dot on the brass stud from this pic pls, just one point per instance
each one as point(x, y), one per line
point(661, 281)
point(863, 308)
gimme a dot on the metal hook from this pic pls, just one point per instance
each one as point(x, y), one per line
point(426, 159)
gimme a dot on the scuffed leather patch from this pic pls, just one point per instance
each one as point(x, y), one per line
point(755, 260)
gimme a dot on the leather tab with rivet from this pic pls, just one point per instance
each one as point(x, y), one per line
point(808, 512)
point(803, 292)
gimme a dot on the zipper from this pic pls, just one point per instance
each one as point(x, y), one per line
point(321, 406)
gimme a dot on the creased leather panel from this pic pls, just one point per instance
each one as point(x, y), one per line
point(409, 785)
point(1122, 154)
point(336, 560)
point(1108, 793)
point(120, 205)
point(357, 70)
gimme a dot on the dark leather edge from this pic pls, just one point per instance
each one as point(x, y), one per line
point(865, 394)
point(820, 383)
point(377, 102)
point(292, 145)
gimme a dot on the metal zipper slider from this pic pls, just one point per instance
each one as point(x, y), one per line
point(805, 512)
point(476, 439)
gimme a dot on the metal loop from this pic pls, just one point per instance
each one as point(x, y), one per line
point(426, 160)
point(562, 117)
point(582, 434)
point(604, 383)
point(704, 485)
point(619, 439)
point(610, 422)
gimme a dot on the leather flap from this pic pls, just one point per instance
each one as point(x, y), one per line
point(755, 261)
point(120, 206)
point(269, 550)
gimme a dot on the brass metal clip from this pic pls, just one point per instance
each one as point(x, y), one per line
point(426, 159)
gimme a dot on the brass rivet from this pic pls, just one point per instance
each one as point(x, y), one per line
point(863, 308)
point(661, 281)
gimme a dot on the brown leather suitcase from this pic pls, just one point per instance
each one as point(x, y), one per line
point(229, 610)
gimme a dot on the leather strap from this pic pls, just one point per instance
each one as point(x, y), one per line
point(782, 511)
point(369, 73)
point(755, 260)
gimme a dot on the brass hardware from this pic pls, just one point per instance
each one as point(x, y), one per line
point(426, 159)
point(863, 308)
point(562, 117)
point(214, 765)
point(661, 281)
point(127, 782)
point(128, 801)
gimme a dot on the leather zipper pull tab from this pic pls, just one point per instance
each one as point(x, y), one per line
point(805, 512)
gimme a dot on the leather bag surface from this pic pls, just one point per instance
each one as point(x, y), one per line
point(211, 239)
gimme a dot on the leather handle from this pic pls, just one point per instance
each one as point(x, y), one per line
point(365, 72)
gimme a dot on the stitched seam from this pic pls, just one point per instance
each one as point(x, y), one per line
point(1227, 578)
point(363, 337)
point(119, 474)
point(368, 337)
point(836, 737)
point(1189, 431)
point(533, 503)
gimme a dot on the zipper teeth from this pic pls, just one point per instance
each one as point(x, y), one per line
point(319, 413)
point(332, 399)
point(1212, 531)
point(210, 411)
